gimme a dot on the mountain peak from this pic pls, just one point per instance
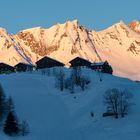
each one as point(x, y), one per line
point(3, 30)
point(75, 21)
point(134, 23)
point(135, 26)
point(31, 29)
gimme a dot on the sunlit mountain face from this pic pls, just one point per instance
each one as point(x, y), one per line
point(135, 25)
point(118, 44)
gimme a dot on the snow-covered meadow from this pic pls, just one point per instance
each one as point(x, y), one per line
point(56, 115)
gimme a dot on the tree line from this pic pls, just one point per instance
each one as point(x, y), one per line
point(8, 118)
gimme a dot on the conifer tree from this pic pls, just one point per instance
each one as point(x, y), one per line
point(10, 105)
point(11, 125)
point(2, 103)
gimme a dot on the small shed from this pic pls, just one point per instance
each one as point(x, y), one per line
point(47, 62)
point(22, 67)
point(5, 68)
point(102, 67)
point(97, 66)
point(76, 62)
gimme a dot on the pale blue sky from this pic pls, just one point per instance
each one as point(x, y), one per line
point(16, 15)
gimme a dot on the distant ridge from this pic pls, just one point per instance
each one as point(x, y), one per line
point(118, 44)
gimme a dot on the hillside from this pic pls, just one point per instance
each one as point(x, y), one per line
point(54, 115)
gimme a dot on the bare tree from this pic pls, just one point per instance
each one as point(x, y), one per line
point(76, 79)
point(76, 74)
point(69, 83)
point(111, 99)
point(84, 81)
point(24, 128)
point(60, 78)
point(125, 103)
point(117, 101)
point(72, 83)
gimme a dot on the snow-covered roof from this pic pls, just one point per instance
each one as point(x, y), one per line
point(98, 64)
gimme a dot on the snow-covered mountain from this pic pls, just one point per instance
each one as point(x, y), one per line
point(62, 42)
point(119, 45)
point(12, 51)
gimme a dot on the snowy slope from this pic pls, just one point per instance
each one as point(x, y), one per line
point(54, 115)
point(121, 47)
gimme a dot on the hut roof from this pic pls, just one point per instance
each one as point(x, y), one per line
point(4, 64)
point(79, 58)
point(50, 62)
point(21, 63)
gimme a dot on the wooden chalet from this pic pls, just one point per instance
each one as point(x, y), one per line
point(76, 62)
point(102, 67)
point(5, 68)
point(47, 62)
point(22, 67)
